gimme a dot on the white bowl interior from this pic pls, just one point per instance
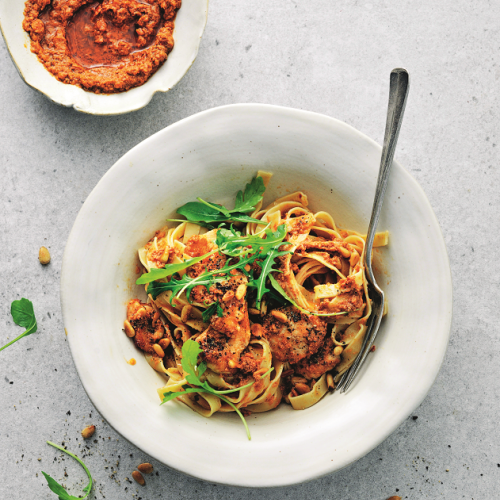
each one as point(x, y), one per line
point(212, 155)
point(189, 25)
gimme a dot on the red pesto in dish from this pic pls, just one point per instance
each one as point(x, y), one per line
point(104, 46)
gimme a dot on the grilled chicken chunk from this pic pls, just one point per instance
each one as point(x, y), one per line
point(320, 362)
point(227, 336)
point(292, 334)
point(146, 323)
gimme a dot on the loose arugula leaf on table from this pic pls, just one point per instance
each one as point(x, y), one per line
point(212, 309)
point(282, 292)
point(194, 370)
point(57, 488)
point(24, 316)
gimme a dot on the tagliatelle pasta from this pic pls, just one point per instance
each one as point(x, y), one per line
point(275, 297)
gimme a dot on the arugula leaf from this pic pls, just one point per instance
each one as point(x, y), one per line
point(235, 245)
point(247, 201)
point(282, 292)
point(57, 488)
point(169, 269)
point(177, 286)
point(212, 309)
point(266, 269)
point(205, 215)
point(203, 211)
point(23, 315)
point(196, 211)
point(208, 278)
point(194, 370)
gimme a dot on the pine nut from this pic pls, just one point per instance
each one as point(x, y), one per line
point(228, 296)
point(248, 267)
point(43, 256)
point(280, 316)
point(138, 477)
point(156, 316)
point(253, 312)
point(299, 380)
point(145, 468)
point(159, 350)
point(88, 432)
point(186, 312)
point(354, 259)
point(164, 343)
point(257, 330)
point(129, 329)
point(241, 291)
point(232, 364)
point(345, 253)
point(338, 351)
point(302, 388)
point(329, 381)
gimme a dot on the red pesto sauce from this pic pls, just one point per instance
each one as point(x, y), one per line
point(84, 50)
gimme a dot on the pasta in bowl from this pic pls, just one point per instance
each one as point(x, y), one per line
point(278, 306)
point(213, 155)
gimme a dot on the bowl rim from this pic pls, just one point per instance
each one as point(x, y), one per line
point(140, 102)
point(297, 113)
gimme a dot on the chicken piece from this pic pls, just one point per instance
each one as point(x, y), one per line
point(292, 334)
point(147, 325)
point(227, 336)
point(320, 362)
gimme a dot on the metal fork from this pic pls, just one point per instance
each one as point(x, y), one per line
point(398, 92)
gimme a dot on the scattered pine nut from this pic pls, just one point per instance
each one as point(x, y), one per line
point(338, 351)
point(345, 253)
point(302, 388)
point(241, 291)
point(164, 343)
point(253, 312)
point(88, 432)
point(43, 256)
point(145, 468)
point(138, 477)
point(354, 259)
point(186, 312)
point(280, 316)
point(228, 295)
point(159, 350)
point(257, 330)
point(329, 381)
point(129, 329)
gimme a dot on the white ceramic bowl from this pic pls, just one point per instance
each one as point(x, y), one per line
point(189, 25)
point(212, 155)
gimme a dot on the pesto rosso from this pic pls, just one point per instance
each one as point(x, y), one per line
point(104, 46)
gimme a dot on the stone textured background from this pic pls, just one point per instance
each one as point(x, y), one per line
point(324, 56)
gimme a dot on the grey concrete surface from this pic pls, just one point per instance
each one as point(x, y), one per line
point(324, 56)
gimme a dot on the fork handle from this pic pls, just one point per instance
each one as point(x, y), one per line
point(398, 92)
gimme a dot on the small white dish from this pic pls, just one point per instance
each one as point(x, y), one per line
point(213, 154)
point(189, 25)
